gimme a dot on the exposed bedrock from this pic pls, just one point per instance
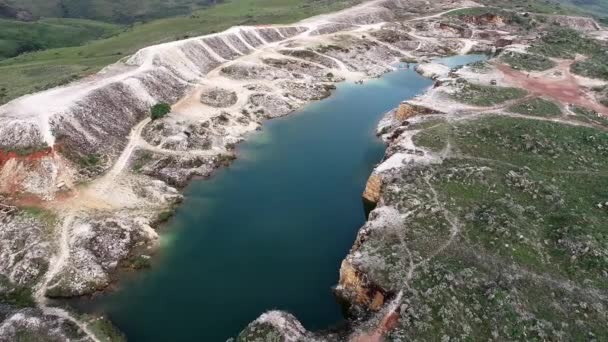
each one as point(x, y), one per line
point(218, 97)
point(23, 324)
point(101, 243)
point(311, 56)
point(269, 105)
point(274, 326)
point(373, 189)
point(24, 247)
point(178, 170)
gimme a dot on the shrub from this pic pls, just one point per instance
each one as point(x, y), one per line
point(537, 107)
point(594, 67)
point(565, 43)
point(527, 61)
point(159, 110)
point(480, 95)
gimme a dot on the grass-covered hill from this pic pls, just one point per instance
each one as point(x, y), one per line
point(117, 11)
point(598, 7)
point(17, 37)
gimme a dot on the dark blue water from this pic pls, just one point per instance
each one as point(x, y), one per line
point(270, 231)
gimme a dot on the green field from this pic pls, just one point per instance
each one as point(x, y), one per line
point(35, 71)
point(18, 37)
point(528, 200)
point(117, 11)
point(596, 7)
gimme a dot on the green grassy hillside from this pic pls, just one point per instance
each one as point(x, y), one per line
point(35, 71)
point(597, 7)
point(17, 37)
point(118, 11)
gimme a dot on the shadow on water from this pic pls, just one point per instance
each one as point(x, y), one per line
point(270, 231)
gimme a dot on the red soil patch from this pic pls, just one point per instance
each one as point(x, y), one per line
point(565, 89)
point(33, 201)
point(36, 155)
point(388, 323)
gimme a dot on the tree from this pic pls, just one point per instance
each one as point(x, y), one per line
point(159, 110)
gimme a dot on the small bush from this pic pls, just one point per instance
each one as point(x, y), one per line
point(537, 107)
point(594, 67)
point(565, 43)
point(480, 95)
point(526, 61)
point(159, 110)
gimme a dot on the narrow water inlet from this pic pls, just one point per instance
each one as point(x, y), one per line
point(270, 231)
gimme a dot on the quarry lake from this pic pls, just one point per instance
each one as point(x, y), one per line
point(270, 231)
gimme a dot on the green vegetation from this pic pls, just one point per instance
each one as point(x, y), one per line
point(480, 67)
point(103, 329)
point(24, 151)
point(36, 71)
point(260, 332)
point(594, 67)
point(480, 95)
point(566, 43)
point(545, 6)
point(601, 94)
point(19, 37)
point(554, 172)
point(141, 159)
point(562, 42)
point(435, 139)
point(160, 110)
point(525, 61)
point(16, 295)
point(43, 215)
point(409, 60)
point(589, 116)
point(537, 107)
point(508, 233)
point(119, 11)
point(141, 262)
point(594, 7)
point(477, 11)
point(89, 162)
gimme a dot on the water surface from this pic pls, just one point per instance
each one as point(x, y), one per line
point(270, 231)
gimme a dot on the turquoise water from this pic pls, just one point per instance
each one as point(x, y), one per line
point(270, 231)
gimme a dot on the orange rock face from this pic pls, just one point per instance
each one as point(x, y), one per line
point(373, 189)
point(357, 290)
point(407, 110)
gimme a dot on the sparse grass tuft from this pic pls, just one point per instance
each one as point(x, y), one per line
point(525, 61)
point(537, 107)
point(480, 95)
